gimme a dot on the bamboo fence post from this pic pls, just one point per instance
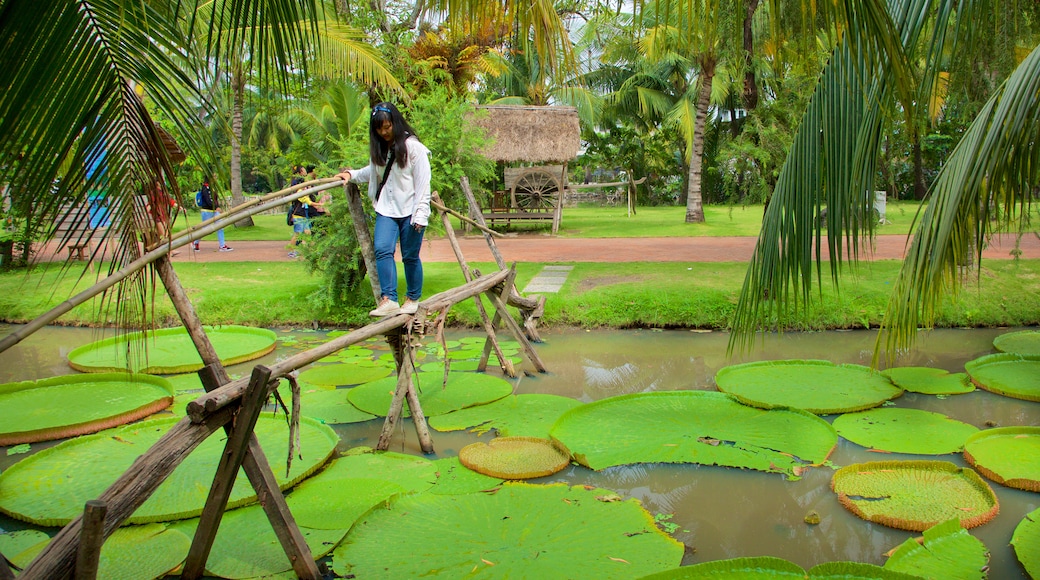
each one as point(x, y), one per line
point(364, 236)
point(91, 538)
point(489, 326)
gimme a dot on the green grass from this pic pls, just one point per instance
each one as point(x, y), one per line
point(265, 228)
point(639, 294)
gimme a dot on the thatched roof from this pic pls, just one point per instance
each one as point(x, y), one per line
point(532, 134)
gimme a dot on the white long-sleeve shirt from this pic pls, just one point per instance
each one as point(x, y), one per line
point(407, 190)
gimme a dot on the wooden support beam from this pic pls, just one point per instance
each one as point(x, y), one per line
point(91, 538)
point(500, 305)
point(235, 450)
point(489, 326)
point(5, 569)
point(364, 236)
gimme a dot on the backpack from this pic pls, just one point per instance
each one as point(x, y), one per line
point(198, 198)
point(289, 214)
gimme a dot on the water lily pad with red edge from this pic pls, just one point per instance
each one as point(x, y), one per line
point(947, 551)
point(817, 386)
point(1023, 342)
point(344, 374)
point(1007, 374)
point(693, 427)
point(1009, 456)
point(170, 351)
point(915, 495)
point(463, 390)
point(929, 381)
point(515, 457)
point(454, 478)
point(50, 487)
point(904, 431)
point(521, 531)
point(529, 415)
point(768, 567)
point(1026, 542)
point(247, 547)
point(71, 405)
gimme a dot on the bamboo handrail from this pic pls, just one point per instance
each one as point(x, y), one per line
point(441, 207)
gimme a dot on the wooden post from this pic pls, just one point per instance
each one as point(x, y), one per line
point(364, 236)
point(405, 390)
point(189, 318)
point(5, 569)
point(91, 538)
point(230, 461)
point(489, 327)
point(500, 305)
point(631, 195)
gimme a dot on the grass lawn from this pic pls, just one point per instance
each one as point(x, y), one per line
point(265, 228)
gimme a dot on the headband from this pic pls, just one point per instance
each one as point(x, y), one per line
point(381, 109)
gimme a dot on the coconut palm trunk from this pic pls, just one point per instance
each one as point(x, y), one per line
point(694, 201)
point(238, 89)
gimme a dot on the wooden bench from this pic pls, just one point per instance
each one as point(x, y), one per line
point(78, 225)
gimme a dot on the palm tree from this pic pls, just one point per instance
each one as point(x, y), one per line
point(833, 160)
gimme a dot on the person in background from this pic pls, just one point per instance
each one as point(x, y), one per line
point(304, 210)
point(210, 206)
point(398, 177)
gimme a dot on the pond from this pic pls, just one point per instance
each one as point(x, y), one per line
point(717, 512)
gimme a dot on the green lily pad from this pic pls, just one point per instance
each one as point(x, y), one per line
point(948, 551)
point(463, 390)
point(1007, 455)
point(914, 495)
point(14, 544)
point(454, 478)
point(413, 473)
point(186, 383)
point(332, 407)
point(344, 374)
point(693, 427)
point(1023, 342)
point(530, 415)
point(817, 386)
point(904, 431)
point(170, 350)
point(1007, 374)
point(71, 405)
point(768, 567)
point(247, 547)
point(529, 531)
point(49, 488)
point(929, 381)
point(1026, 542)
point(333, 503)
point(515, 457)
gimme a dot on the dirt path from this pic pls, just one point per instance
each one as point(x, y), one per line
point(545, 249)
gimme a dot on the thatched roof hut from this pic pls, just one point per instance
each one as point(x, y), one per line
point(530, 134)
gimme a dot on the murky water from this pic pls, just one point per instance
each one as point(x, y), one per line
point(720, 512)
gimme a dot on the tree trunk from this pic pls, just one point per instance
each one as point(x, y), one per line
point(238, 89)
point(694, 203)
point(750, 84)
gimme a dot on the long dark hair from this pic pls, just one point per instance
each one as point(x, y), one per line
point(377, 148)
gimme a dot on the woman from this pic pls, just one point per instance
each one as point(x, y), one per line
point(398, 176)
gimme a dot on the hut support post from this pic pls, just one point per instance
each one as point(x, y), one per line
point(502, 313)
point(263, 480)
point(489, 327)
point(530, 309)
point(91, 538)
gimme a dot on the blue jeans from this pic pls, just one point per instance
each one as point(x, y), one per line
point(388, 231)
point(207, 214)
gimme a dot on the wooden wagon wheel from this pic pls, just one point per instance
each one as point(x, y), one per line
point(536, 189)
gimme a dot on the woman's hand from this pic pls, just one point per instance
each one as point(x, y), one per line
point(345, 175)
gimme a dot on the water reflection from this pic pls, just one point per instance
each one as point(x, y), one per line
point(720, 512)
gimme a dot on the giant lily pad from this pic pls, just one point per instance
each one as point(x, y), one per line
point(170, 350)
point(454, 478)
point(929, 381)
point(1026, 542)
point(1008, 455)
point(344, 374)
point(768, 568)
point(332, 407)
point(72, 405)
point(948, 551)
point(14, 546)
point(50, 487)
point(463, 390)
point(693, 427)
point(247, 547)
point(528, 531)
point(515, 457)
point(1023, 342)
point(1007, 374)
point(817, 386)
point(914, 495)
point(904, 431)
point(408, 471)
point(516, 415)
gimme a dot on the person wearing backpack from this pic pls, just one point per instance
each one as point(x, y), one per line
point(398, 177)
point(301, 212)
point(210, 206)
